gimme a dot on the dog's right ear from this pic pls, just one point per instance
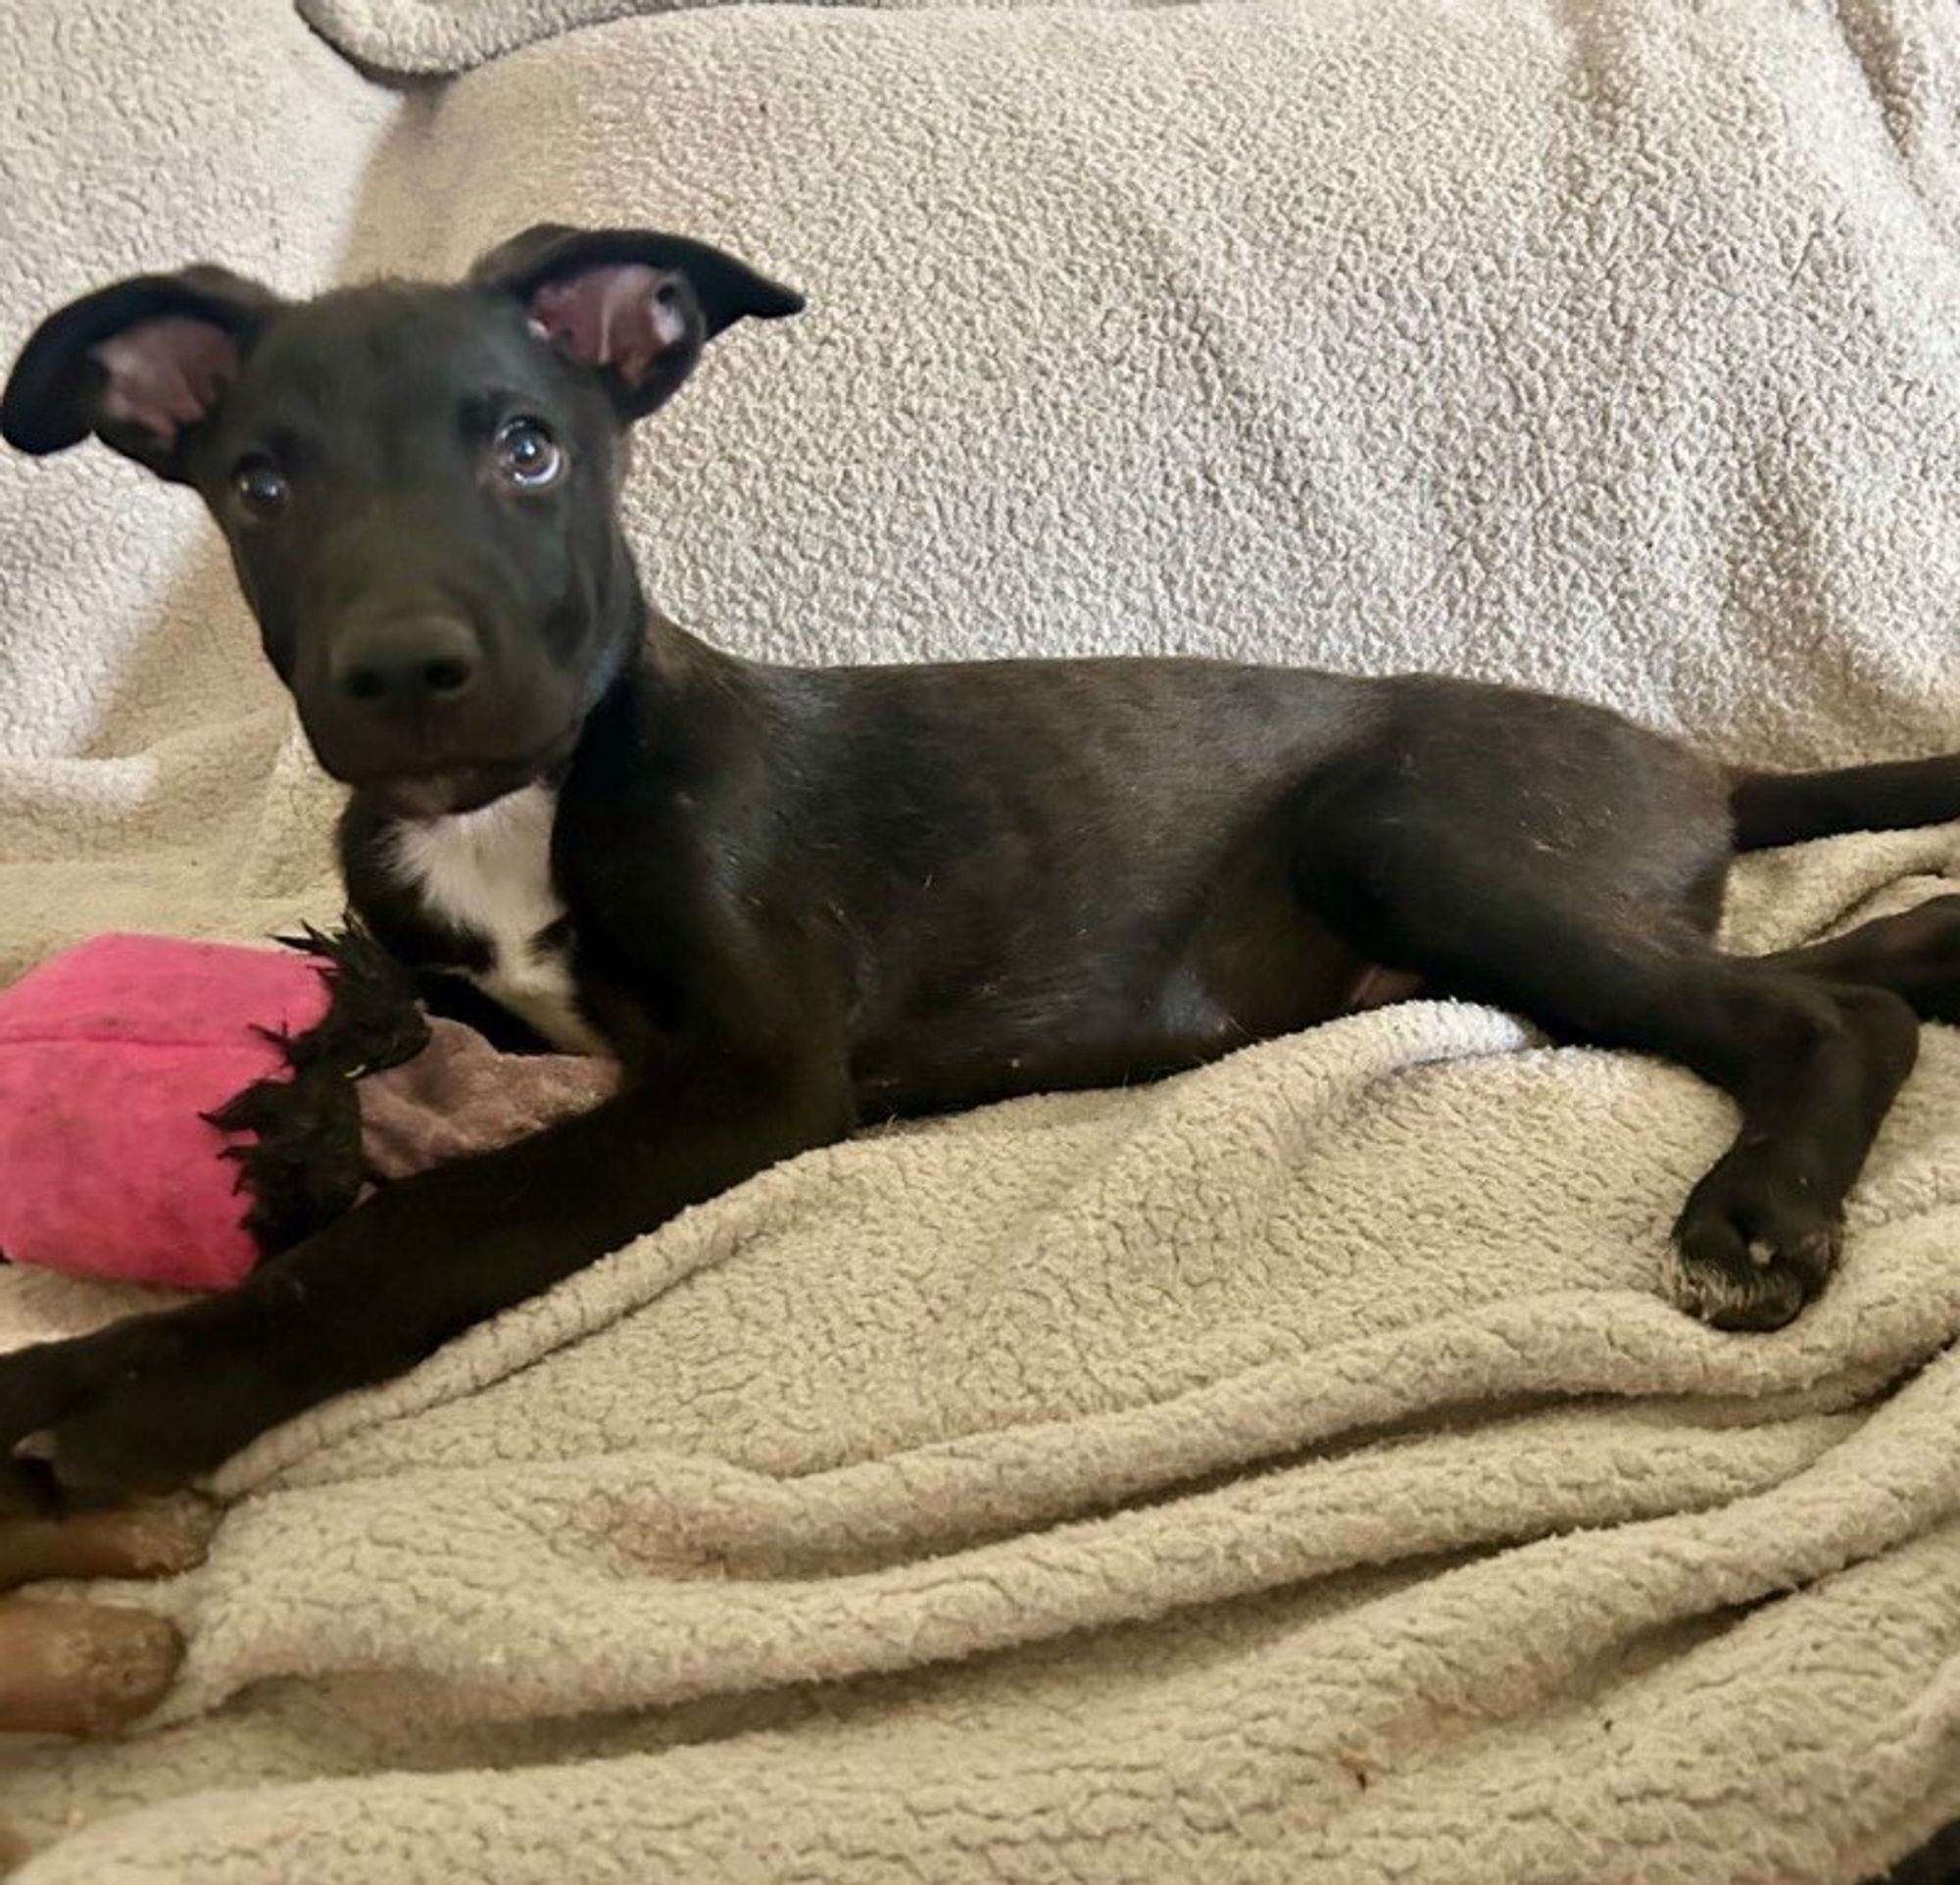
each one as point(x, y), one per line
point(140, 364)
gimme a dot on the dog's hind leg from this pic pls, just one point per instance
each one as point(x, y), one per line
point(1813, 1065)
point(1566, 867)
point(1916, 954)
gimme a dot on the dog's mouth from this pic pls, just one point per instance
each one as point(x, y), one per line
point(442, 795)
point(444, 789)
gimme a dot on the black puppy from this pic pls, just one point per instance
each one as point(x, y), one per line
point(795, 900)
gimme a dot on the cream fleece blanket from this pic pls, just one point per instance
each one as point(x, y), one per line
point(1289, 1470)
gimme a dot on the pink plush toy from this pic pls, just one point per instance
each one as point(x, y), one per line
point(171, 1112)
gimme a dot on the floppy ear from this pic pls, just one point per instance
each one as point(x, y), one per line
point(140, 364)
point(635, 306)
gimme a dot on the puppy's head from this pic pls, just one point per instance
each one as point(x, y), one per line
point(417, 482)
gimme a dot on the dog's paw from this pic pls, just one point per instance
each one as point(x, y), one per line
point(154, 1433)
point(43, 1384)
point(141, 1407)
point(1753, 1244)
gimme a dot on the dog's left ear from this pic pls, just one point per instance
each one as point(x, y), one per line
point(634, 305)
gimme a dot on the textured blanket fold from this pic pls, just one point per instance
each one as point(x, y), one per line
point(1287, 1470)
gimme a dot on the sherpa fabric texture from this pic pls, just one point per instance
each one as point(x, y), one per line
point(1289, 1470)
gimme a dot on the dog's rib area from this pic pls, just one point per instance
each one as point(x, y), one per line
point(488, 872)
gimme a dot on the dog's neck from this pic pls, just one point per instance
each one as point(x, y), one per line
point(671, 704)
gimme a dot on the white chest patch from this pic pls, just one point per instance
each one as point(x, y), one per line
point(489, 874)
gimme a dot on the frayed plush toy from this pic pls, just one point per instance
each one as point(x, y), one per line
point(175, 1112)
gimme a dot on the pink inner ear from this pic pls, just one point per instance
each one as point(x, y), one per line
point(610, 316)
point(166, 374)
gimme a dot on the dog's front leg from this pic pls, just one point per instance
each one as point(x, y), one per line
point(148, 1403)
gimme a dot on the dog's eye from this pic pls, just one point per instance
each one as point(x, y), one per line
point(260, 487)
point(527, 454)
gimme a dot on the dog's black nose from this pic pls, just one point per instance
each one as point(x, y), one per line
point(423, 663)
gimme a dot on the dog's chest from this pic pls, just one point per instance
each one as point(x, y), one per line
point(488, 874)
